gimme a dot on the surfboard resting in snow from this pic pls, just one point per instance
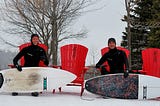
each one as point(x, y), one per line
point(33, 79)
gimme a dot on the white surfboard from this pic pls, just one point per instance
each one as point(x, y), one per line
point(34, 79)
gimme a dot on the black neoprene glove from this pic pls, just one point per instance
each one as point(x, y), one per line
point(19, 68)
point(45, 60)
point(97, 66)
point(126, 74)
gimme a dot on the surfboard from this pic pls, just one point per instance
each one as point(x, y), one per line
point(135, 86)
point(34, 79)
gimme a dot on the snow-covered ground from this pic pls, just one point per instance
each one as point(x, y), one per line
point(69, 97)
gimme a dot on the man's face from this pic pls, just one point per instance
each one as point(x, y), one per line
point(35, 40)
point(112, 45)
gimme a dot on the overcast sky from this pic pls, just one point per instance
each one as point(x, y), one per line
point(104, 23)
point(101, 25)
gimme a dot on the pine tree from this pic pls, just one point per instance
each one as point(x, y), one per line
point(154, 35)
point(145, 19)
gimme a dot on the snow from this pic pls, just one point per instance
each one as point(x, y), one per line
point(70, 96)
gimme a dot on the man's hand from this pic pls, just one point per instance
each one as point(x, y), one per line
point(19, 68)
point(44, 59)
point(97, 66)
point(126, 74)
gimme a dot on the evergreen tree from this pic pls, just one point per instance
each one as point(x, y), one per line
point(154, 35)
point(144, 16)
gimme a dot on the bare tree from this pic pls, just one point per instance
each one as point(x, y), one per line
point(51, 19)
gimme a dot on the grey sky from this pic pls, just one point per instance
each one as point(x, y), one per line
point(101, 25)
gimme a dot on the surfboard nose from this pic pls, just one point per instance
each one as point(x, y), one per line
point(1, 80)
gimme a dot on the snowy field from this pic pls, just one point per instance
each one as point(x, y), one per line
point(69, 97)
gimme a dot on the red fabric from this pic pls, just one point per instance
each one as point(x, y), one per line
point(151, 61)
